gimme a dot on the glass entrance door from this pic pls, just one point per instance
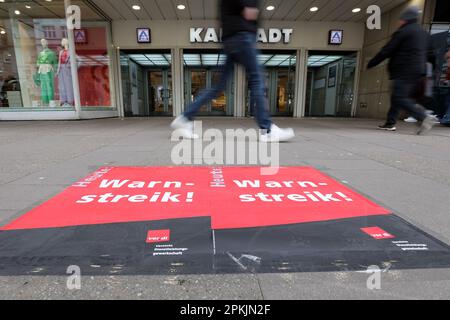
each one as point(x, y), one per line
point(223, 102)
point(146, 83)
point(196, 80)
point(346, 93)
point(201, 71)
point(126, 83)
point(160, 92)
point(279, 92)
point(284, 92)
point(279, 76)
point(330, 84)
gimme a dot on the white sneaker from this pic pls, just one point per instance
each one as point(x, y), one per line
point(278, 135)
point(184, 127)
point(411, 120)
point(426, 125)
point(436, 119)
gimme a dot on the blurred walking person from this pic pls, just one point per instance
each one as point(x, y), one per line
point(240, 20)
point(446, 119)
point(408, 53)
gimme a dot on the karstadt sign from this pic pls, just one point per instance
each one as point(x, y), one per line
point(213, 35)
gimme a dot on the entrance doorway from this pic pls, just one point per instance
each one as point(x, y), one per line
point(330, 84)
point(147, 83)
point(279, 75)
point(201, 71)
point(160, 91)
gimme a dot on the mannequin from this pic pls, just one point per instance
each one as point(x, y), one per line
point(46, 70)
point(65, 75)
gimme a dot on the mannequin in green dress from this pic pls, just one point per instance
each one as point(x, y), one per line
point(47, 62)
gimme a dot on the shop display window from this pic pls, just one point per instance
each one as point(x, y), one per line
point(37, 58)
point(43, 63)
point(94, 72)
point(10, 96)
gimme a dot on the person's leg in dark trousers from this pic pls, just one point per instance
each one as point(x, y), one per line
point(403, 92)
point(242, 48)
point(446, 119)
point(211, 93)
point(447, 103)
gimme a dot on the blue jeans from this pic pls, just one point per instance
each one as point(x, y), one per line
point(240, 49)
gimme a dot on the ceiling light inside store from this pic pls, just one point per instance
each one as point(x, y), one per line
point(136, 7)
point(17, 12)
point(319, 61)
point(314, 9)
point(152, 59)
point(356, 10)
point(181, 7)
point(270, 8)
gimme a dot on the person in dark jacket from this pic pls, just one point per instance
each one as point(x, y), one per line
point(446, 119)
point(408, 53)
point(240, 20)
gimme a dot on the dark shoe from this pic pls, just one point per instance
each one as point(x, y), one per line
point(388, 127)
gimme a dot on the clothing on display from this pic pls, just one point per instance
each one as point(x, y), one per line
point(65, 79)
point(46, 63)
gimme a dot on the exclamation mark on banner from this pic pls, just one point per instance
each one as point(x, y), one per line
point(189, 197)
point(344, 196)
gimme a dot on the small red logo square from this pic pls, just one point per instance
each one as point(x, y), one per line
point(377, 233)
point(158, 236)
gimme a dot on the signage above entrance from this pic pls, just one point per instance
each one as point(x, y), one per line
point(336, 37)
point(213, 35)
point(143, 35)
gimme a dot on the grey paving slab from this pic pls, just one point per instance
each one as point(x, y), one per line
point(224, 287)
point(348, 164)
point(113, 158)
point(63, 174)
point(7, 216)
point(402, 285)
point(9, 177)
point(21, 197)
point(431, 162)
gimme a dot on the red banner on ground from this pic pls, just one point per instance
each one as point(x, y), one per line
point(232, 197)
